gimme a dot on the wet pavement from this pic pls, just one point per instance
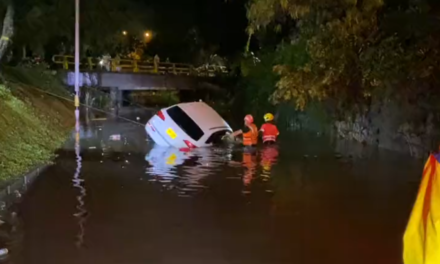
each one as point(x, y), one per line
point(307, 201)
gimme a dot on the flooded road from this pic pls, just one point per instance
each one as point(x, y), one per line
point(308, 201)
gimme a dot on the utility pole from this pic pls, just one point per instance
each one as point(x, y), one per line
point(77, 181)
point(77, 54)
point(77, 73)
point(77, 120)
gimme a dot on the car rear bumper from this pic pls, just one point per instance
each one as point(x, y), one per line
point(155, 135)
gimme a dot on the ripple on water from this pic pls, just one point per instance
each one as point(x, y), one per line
point(292, 207)
point(189, 172)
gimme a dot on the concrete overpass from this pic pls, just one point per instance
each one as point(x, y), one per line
point(118, 82)
point(124, 81)
point(118, 75)
point(130, 75)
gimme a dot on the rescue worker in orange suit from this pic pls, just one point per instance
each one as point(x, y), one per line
point(249, 132)
point(269, 130)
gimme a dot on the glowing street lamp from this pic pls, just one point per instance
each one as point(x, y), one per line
point(148, 36)
point(124, 33)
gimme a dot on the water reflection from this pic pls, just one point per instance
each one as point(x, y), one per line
point(299, 199)
point(81, 213)
point(180, 170)
point(163, 163)
point(269, 156)
point(188, 172)
point(203, 162)
point(78, 183)
point(258, 165)
point(250, 168)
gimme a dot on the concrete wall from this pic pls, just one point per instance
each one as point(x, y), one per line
point(388, 125)
point(12, 192)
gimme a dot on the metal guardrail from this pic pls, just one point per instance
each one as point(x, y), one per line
point(127, 65)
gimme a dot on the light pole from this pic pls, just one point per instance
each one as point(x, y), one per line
point(77, 181)
point(77, 77)
point(77, 54)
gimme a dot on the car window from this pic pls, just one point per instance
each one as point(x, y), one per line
point(216, 137)
point(185, 122)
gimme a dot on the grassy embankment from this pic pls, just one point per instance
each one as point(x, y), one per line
point(33, 124)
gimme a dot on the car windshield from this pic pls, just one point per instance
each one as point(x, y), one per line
point(185, 122)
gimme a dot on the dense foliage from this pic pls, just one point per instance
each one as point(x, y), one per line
point(32, 124)
point(47, 26)
point(351, 51)
point(182, 31)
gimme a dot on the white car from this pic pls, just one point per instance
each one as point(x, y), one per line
point(187, 125)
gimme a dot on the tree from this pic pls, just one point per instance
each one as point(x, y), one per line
point(42, 22)
point(355, 49)
point(8, 28)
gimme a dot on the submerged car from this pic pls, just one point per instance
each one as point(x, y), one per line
point(187, 125)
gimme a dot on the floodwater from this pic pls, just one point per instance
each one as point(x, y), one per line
point(307, 201)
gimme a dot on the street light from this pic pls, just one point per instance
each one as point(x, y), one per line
point(147, 34)
point(77, 148)
point(76, 178)
point(77, 54)
point(124, 33)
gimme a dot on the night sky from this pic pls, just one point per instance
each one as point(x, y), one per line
point(218, 22)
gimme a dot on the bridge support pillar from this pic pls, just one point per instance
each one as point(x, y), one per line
point(88, 98)
point(88, 102)
point(116, 99)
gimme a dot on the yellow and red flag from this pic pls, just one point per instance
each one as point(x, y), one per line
point(421, 242)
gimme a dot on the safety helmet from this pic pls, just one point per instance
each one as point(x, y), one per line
point(268, 117)
point(249, 118)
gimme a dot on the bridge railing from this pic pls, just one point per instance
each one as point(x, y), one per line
point(127, 65)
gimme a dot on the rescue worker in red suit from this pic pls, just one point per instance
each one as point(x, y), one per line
point(249, 132)
point(269, 130)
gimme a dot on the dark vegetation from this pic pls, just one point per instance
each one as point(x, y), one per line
point(32, 124)
point(366, 66)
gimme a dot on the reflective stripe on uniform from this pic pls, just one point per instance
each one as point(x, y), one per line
point(269, 138)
